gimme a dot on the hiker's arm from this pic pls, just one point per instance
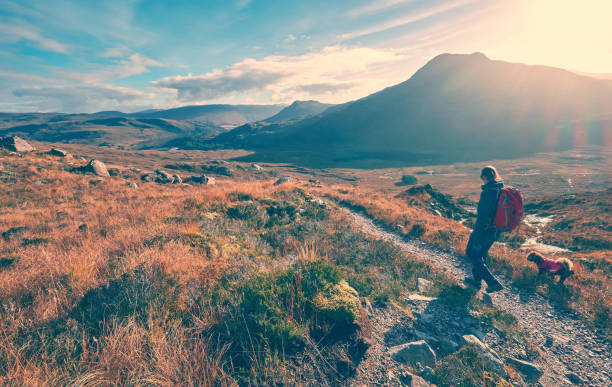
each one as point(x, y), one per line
point(486, 210)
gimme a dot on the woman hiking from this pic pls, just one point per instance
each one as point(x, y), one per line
point(484, 233)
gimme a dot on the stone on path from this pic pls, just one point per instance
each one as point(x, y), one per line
point(530, 370)
point(574, 378)
point(414, 352)
point(412, 380)
point(492, 360)
point(16, 144)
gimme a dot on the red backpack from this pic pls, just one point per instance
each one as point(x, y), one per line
point(509, 212)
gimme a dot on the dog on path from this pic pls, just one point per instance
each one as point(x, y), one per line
point(561, 267)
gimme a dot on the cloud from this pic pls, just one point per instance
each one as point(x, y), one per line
point(83, 98)
point(17, 33)
point(116, 52)
point(412, 18)
point(219, 83)
point(243, 3)
point(376, 6)
point(135, 64)
point(334, 74)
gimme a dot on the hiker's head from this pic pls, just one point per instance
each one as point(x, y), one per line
point(489, 173)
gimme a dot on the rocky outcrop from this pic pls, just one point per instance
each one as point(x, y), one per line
point(16, 144)
point(413, 353)
point(95, 167)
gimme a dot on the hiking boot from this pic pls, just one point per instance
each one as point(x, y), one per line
point(494, 288)
point(471, 282)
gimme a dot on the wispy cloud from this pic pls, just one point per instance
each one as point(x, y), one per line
point(412, 18)
point(22, 31)
point(333, 74)
point(243, 3)
point(134, 64)
point(376, 6)
point(120, 51)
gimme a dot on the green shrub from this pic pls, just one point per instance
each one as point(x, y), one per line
point(339, 303)
point(418, 230)
point(408, 180)
point(602, 315)
point(466, 368)
point(276, 311)
point(34, 241)
point(456, 296)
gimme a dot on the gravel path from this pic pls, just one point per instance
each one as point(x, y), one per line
point(567, 345)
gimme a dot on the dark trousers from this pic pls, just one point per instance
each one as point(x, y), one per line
point(477, 251)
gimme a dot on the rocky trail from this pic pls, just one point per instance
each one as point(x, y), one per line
point(571, 353)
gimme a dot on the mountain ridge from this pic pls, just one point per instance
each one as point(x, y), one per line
point(455, 108)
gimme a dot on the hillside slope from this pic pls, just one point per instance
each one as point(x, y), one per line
point(455, 108)
point(298, 110)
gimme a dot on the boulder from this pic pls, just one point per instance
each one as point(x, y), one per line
point(218, 169)
point(492, 360)
point(414, 352)
point(163, 177)
point(574, 378)
point(16, 144)
point(447, 346)
point(283, 180)
point(201, 179)
point(531, 371)
point(256, 167)
point(159, 176)
point(96, 167)
point(133, 185)
point(58, 152)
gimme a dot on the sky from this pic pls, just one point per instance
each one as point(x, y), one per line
point(131, 55)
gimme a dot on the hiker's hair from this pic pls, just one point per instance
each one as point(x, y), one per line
point(490, 173)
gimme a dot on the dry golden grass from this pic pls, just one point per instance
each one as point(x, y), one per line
point(73, 240)
point(82, 232)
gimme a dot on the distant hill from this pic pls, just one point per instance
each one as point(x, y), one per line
point(145, 129)
point(298, 110)
point(219, 115)
point(455, 108)
point(101, 129)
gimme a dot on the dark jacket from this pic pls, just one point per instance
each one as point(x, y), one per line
point(487, 205)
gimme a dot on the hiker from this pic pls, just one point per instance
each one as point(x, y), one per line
point(484, 233)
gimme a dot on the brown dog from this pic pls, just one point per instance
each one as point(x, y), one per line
point(562, 267)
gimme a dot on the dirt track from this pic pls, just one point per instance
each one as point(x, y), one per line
point(567, 345)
